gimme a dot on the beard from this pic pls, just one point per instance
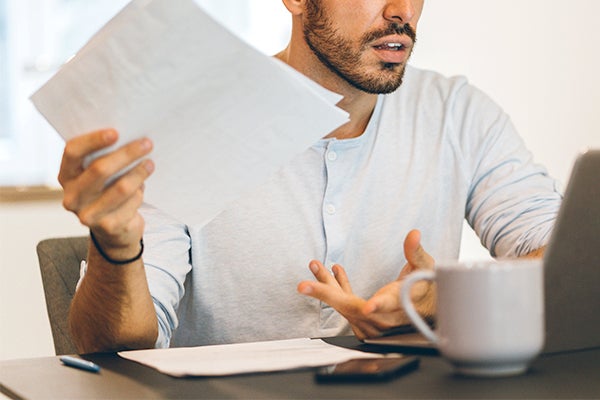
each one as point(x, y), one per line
point(340, 57)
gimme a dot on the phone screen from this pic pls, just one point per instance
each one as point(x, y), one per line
point(367, 369)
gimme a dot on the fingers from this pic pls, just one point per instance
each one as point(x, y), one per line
point(342, 278)
point(329, 290)
point(110, 210)
point(88, 185)
point(422, 293)
point(321, 273)
point(384, 308)
point(385, 299)
point(91, 197)
point(336, 291)
point(326, 288)
point(335, 280)
point(416, 256)
point(375, 323)
point(115, 210)
point(364, 331)
point(103, 168)
point(79, 147)
point(112, 217)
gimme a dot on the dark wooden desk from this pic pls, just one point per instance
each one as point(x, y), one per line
point(567, 375)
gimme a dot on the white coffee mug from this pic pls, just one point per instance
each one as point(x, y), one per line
point(489, 315)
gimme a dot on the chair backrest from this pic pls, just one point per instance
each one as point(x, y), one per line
point(60, 259)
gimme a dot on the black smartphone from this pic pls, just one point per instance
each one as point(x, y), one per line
point(367, 369)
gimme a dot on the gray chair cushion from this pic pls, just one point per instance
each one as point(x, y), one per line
point(59, 260)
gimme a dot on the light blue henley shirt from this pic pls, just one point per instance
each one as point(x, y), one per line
point(435, 152)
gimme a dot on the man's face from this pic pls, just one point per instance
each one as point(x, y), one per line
point(361, 41)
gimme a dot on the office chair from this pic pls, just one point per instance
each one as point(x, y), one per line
point(59, 260)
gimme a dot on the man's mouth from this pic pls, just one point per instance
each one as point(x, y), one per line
point(392, 49)
point(390, 46)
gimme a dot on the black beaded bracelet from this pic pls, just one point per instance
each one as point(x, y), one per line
point(113, 261)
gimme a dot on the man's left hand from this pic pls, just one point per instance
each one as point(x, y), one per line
point(383, 311)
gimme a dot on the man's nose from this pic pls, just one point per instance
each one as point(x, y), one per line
point(400, 11)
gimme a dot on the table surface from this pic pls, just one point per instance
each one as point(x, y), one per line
point(566, 375)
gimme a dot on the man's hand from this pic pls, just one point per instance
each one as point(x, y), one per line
point(370, 318)
point(112, 309)
point(110, 211)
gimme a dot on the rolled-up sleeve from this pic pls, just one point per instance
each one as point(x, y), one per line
point(512, 201)
point(167, 262)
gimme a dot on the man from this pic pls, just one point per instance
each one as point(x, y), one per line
point(419, 154)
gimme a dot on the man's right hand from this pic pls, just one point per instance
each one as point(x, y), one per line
point(111, 212)
point(112, 309)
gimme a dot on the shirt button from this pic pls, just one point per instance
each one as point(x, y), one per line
point(331, 155)
point(330, 209)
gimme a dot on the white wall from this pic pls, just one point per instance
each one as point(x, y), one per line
point(24, 326)
point(537, 58)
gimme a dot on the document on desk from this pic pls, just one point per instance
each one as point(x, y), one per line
point(243, 358)
point(223, 116)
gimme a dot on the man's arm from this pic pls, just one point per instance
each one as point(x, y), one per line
point(112, 309)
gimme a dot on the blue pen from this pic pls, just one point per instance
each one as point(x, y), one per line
point(79, 363)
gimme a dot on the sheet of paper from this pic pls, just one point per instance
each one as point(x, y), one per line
point(223, 116)
point(243, 358)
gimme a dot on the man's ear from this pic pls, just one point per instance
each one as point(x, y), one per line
point(295, 7)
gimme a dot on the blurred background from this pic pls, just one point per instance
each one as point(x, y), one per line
point(537, 58)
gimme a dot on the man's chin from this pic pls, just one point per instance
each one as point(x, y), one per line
point(379, 86)
point(386, 80)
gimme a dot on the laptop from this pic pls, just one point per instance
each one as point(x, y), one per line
point(571, 271)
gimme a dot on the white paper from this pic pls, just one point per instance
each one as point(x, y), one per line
point(231, 359)
point(223, 117)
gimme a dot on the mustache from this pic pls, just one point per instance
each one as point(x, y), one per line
point(393, 28)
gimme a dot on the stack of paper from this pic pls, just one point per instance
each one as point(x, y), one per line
point(230, 359)
point(223, 117)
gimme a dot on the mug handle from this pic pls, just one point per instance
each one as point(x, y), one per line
point(409, 308)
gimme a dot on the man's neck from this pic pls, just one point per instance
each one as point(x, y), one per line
point(360, 109)
point(358, 104)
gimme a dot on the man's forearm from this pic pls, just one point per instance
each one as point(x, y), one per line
point(112, 308)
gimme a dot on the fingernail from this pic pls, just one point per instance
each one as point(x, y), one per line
point(109, 135)
point(306, 289)
point(149, 166)
point(314, 268)
point(145, 144)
